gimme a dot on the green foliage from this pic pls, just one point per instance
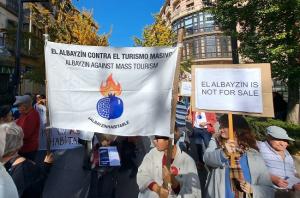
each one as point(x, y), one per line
point(269, 32)
point(65, 25)
point(259, 126)
point(186, 66)
point(157, 34)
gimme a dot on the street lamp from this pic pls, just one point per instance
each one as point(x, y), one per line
point(18, 42)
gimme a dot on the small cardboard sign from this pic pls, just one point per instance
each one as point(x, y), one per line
point(185, 88)
point(236, 88)
point(109, 156)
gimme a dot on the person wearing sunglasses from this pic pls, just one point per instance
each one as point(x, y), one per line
point(182, 177)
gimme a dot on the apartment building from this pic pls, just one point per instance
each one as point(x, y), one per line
point(29, 52)
point(203, 43)
point(8, 18)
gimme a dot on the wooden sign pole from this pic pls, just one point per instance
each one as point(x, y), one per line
point(174, 99)
point(230, 126)
point(231, 137)
point(47, 128)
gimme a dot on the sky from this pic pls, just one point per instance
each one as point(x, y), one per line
point(127, 18)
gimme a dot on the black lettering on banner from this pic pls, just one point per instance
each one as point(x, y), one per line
point(209, 91)
point(123, 66)
point(248, 93)
point(227, 92)
point(53, 51)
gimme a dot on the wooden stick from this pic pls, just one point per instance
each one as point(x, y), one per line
point(230, 126)
point(174, 99)
point(231, 137)
point(48, 128)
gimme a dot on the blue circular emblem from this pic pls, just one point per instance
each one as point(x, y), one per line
point(110, 107)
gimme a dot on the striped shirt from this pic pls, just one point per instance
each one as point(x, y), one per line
point(181, 113)
point(284, 168)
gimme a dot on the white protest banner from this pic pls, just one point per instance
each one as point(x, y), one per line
point(119, 91)
point(244, 88)
point(60, 139)
point(185, 88)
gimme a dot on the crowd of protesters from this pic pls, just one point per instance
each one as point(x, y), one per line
point(237, 168)
point(20, 129)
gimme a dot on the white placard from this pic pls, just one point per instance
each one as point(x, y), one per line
point(229, 89)
point(109, 156)
point(186, 88)
point(118, 91)
point(59, 139)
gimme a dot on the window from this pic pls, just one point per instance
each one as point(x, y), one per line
point(190, 7)
point(210, 46)
point(12, 5)
point(199, 22)
point(202, 47)
point(11, 24)
point(188, 25)
point(2, 39)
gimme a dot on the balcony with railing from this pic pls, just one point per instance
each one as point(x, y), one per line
point(12, 6)
point(190, 8)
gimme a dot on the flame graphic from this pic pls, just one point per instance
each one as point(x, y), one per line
point(110, 88)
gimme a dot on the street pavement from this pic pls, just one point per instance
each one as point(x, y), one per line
point(67, 178)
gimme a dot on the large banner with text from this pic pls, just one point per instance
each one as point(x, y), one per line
point(237, 88)
point(120, 91)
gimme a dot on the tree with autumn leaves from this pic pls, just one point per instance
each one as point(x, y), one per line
point(64, 24)
point(160, 34)
point(156, 34)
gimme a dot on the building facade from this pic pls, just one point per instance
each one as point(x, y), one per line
point(29, 51)
point(8, 19)
point(203, 42)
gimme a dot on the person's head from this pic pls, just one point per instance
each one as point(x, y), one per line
point(105, 139)
point(13, 140)
point(241, 130)
point(176, 134)
point(161, 142)
point(24, 103)
point(38, 97)
point(5, 114)
point(278, 138)
point(179, 98)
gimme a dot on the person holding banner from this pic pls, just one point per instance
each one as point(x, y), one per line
point(182, 177)
point(237, 168)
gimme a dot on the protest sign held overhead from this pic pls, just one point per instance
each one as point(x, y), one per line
point(119, 91)
point(243, 88)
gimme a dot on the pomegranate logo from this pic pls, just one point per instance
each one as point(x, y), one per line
point(110, 107)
